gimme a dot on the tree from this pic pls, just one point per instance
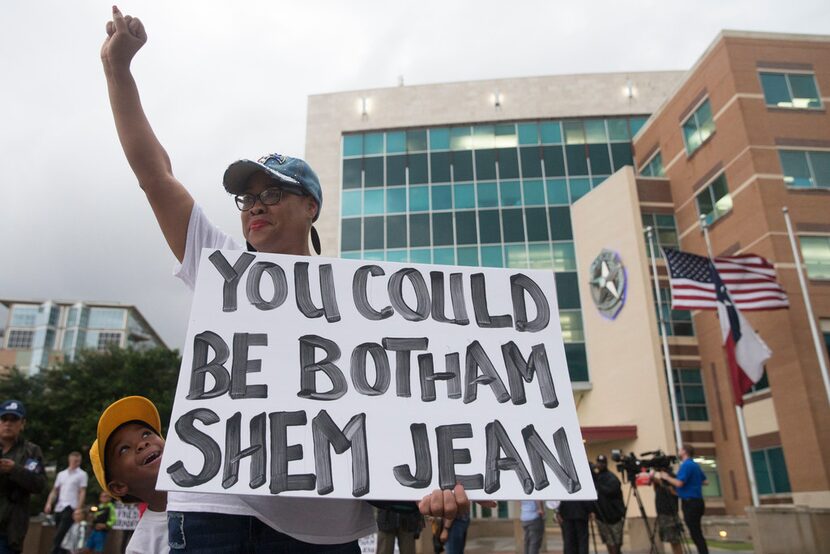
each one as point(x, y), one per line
point(64, 403)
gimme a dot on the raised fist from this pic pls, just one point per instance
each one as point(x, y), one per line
point(125, 36)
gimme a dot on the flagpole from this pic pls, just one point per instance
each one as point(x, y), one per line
point(807, 303)
point(739, 411)
point(678, 437)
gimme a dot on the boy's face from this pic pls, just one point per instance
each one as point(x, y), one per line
point(133, 458)
point(78, 515)
point(103, 498)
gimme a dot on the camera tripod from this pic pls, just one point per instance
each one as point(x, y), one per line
point(656, 546)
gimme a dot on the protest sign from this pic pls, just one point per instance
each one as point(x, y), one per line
point(126, 516)
point(354, 379)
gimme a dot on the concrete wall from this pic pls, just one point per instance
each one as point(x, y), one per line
point(628, 383)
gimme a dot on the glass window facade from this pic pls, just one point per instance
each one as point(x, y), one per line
point(495, 195)
point(665, 230)
point(805, 169)
point(20, 339)
point(790, 90)
point(106, 340)
point(698, 127)
point(816, 253)
point(709, 465)
point(678, 322)
point(714, 201)
point(688, 390)
point(770, 470)
point(106, 318)
point(654, 167)
point(23, 316)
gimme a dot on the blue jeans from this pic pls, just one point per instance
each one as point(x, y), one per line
point(208, 533)
point(457, 536)
point(96, 541)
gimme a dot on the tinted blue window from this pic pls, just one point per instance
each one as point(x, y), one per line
point(488, 196)
point(551, 132)
point(420, 256)
point(554, 161)
point(442, 229)
point(462, 166)
point(439, 169)
point(557, 191)
point(577, 362)
point(350, 237)
point(395, 170)
point(351, 202)
point(513, 225)
point(528, 133)
point(396, 231)
point(491, 256)
point(396, 141)
point(418, 199)
point(353, 145)
point(396, 200)
point(439, 138)
point(579, 188)
point(352, 173)
point(373, 233)
point(531, 162)
point(467, 255)
point(485, 164)
point(373, 201)
point(373, 143)
point(488, 224)
point(442, 197)
point(418, 230)
point(443, 256)
point(464, 195)
point(511, 193)
point(534, 193)
point(567, 290)
point(418, 173)
point(465, 230)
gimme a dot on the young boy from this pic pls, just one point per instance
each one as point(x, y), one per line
point(125, 458)
point(75, 539)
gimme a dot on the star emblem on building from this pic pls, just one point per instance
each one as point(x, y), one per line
point(607, 282)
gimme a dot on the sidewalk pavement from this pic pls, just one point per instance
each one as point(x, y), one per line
point(506, 545)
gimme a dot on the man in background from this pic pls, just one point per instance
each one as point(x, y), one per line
point(21, 475)
point(70, 492)
point(689, 485)
point(610, 512)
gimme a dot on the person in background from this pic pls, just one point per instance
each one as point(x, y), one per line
point(573, 516)
point(667, 506)
point(457, 539)
point(610, 506)
point(75, 539)
point(533, 525)
point(689, 484)
point(103, 522)
point(21, 475)
point(403, 527)
point(70, 491)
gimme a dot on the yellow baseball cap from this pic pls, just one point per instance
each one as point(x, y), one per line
point(130, 408)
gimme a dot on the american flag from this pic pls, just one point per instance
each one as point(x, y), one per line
point(750, 280)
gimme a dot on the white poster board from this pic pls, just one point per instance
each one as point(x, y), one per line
point(321, 377)
point(126, 516)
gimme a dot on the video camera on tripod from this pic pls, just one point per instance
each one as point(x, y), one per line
point(631, 466)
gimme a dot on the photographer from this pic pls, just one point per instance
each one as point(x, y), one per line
point(610, 507)
point(689, 484)
point(666, 504)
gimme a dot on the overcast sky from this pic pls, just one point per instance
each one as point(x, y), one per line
point(227, 80)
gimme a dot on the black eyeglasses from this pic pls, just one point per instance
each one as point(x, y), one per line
point(268, 197)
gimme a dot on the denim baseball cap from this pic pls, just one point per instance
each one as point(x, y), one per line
point(292, 172)
point(14, 407)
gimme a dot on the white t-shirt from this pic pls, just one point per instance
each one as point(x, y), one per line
point(150, 535)
point(69, 483)
point(313, 520)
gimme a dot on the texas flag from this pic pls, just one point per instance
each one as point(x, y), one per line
point(745, 351)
